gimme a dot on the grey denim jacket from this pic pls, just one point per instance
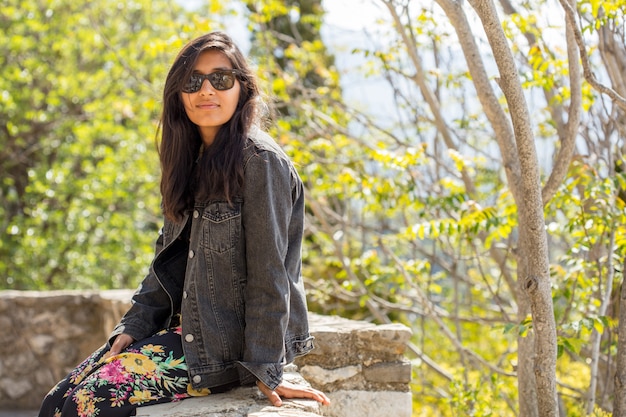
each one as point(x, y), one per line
point(235, 278)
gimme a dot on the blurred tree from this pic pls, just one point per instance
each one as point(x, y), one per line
point(79, 99)
point(289, 24)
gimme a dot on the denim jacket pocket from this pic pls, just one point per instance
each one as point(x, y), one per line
point(221, 225)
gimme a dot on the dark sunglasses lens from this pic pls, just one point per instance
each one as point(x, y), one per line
point(194, 83)
point(222, 80)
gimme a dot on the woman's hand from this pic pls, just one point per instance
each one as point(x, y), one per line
point(122, 341)
point(288, 390)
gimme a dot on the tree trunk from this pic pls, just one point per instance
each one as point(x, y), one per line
point(613, 53)
point(526, 384)
point(533, 261)
point(619, 402)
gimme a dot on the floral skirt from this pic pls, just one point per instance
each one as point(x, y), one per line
point(147, 372)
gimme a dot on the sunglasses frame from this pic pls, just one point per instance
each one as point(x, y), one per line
point(213, 77)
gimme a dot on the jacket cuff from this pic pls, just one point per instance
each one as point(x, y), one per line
point(122, 328)
point(271, 374)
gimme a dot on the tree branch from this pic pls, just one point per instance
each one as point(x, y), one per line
point(568, 142)
point(570, 15)
point(420, 80)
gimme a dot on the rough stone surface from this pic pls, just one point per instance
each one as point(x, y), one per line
point(46, 334)
point(388, 372)
point(341, 342)
point(240, 402)
point(369, 404)
point(356, 355)
point(361, 366)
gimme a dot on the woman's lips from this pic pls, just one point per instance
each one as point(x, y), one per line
point(208, 106)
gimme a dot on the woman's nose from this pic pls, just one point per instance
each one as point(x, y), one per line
point(206, 87)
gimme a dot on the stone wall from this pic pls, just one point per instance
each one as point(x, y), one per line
point(46, 334)
point(360, 366)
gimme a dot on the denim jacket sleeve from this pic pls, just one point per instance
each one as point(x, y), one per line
point(150, 309)
point(270, 190)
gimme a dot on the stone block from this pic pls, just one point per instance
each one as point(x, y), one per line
point(15, 388)
point(41, 343)
point(320, 377)
point(341, 342)
point(369, 404)
point(389, 372)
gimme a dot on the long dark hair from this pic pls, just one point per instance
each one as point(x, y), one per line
point(219, 172)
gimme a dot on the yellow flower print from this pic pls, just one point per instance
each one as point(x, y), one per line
point(138, 364)
point(82, 396)
point(197, 392)
point(140, 397)
point(86, 402)
point(153, 348)
point(175, 362)
point(89, 410)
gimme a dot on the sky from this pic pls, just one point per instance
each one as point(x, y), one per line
point(351, 15)
point(343, 15)
point(349, 24)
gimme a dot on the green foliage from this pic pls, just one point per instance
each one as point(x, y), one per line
point(79, 102)
point(602, 12)
point(588, 216)
point(479, 400)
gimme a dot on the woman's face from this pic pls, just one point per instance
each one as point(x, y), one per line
point(210, 108)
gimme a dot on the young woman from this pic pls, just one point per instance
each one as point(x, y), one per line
point(223, 304)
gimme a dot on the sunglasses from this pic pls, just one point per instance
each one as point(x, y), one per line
point(220, 80)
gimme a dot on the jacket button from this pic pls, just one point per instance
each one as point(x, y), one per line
point(197, 379)
point(196, 214)
point(191, 254)
point(189, 338)
point(184, 294)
